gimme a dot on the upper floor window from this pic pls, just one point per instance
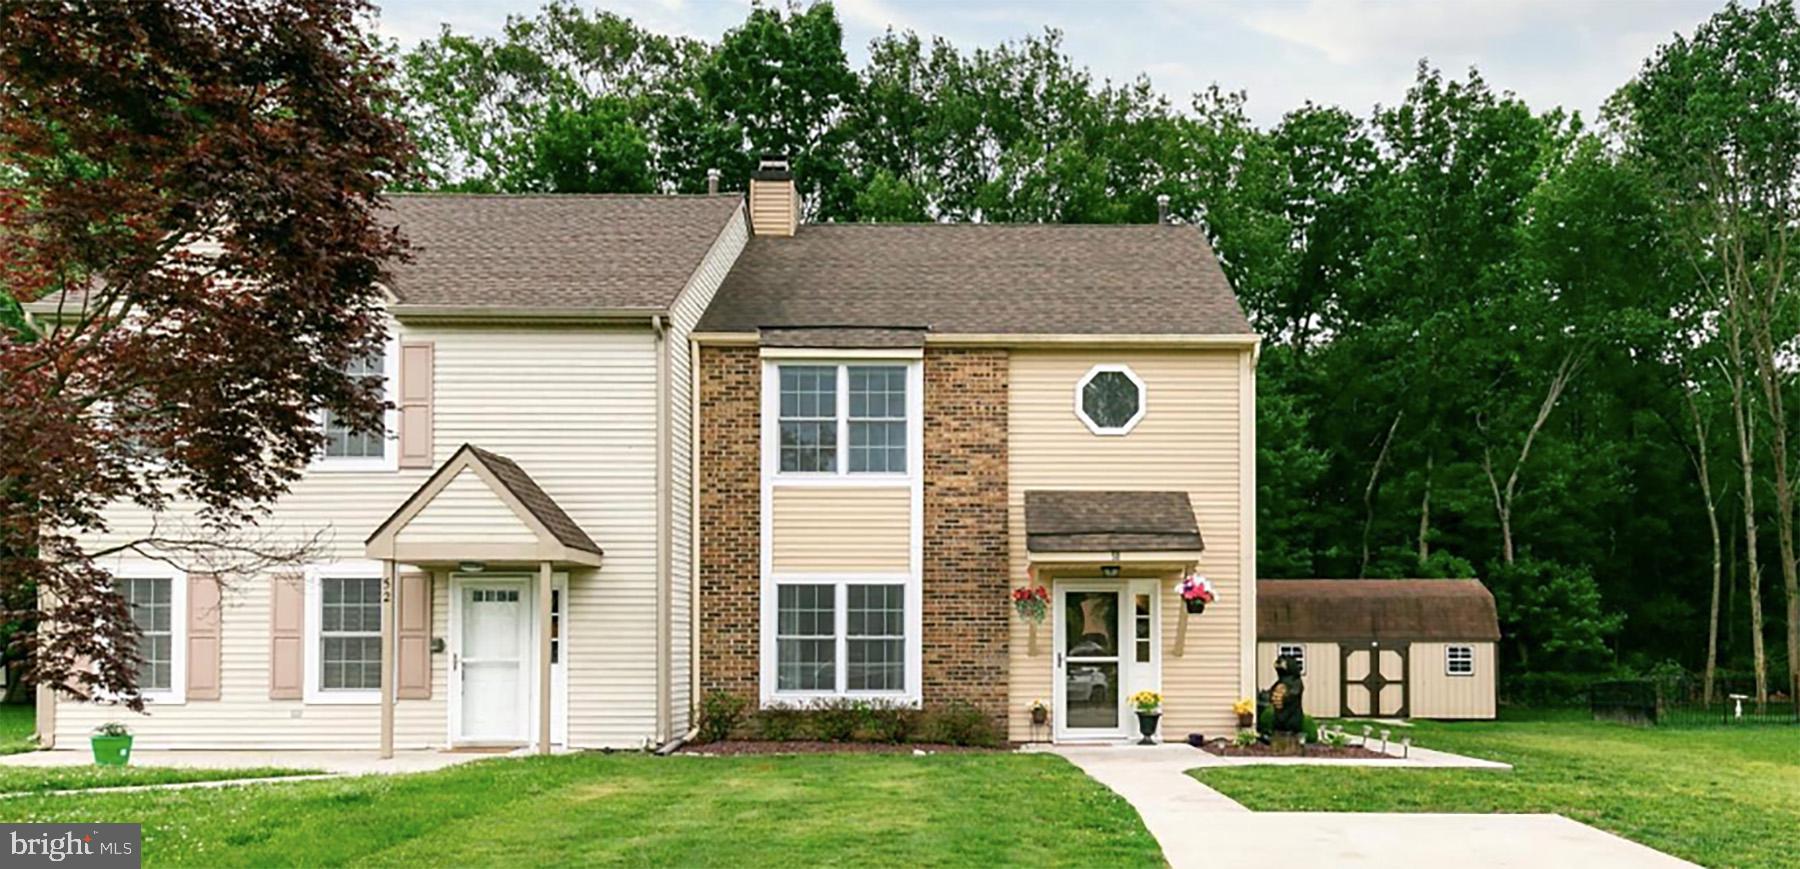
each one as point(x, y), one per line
point(1110, 399)
point(843, 418)
point(349, 449)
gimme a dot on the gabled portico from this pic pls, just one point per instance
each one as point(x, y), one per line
point(480, 512)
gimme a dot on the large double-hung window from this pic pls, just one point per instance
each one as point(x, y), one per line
point(842, 418)
point(840, 638)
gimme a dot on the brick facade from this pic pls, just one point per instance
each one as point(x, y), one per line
point(965, 580)
point(730, 482)
point(965, 556)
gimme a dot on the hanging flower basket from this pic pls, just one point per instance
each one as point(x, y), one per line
point(1196, 592)
point(1032, 603)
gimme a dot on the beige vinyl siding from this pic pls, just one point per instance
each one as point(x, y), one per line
point(1436, 694)
point(1188, 440)
point(838, 529)
point(245, 718)
point(683, 315)
point(1323, 675)
point(467, 511)
point(575, 407)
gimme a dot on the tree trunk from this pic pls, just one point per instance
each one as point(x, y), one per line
point(1369, 492)
point(1425, 514)
point(1746, 440)
point(1703, 471)
point(1503, 498)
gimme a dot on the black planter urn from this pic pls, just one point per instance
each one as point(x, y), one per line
point(1195, 606)
point(1147, 726)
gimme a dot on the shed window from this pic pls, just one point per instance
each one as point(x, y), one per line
point(1297, 652)
point(1459, 660)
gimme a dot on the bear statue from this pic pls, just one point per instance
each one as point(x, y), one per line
point(1282, 714)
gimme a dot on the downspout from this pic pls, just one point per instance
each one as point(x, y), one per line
point(693, 386)
point(663, 509)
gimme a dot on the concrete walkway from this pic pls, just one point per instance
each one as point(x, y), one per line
point(1200, 827)
point(335, 762)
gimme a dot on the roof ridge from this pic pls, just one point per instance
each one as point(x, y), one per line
point(463, 194)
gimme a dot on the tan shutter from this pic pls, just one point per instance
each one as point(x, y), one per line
point(414, 637)
point(287, 637)
point(203, 617)
point(416, 360)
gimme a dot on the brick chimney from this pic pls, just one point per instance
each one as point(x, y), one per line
point(774, 205)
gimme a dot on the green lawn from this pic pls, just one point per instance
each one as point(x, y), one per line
point(17, 723)
point(823, 809)
point(1717, 796)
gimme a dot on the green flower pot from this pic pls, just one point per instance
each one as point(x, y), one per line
point(112, 750)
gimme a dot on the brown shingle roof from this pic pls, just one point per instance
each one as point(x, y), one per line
point(847, 338)
point(981, 278)
point(1375, 609)
point(535, 499)
point(619, 252)
point(1069, 521)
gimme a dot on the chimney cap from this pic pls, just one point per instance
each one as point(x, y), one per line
point(1162, 208)
point(712, 180)
point(772, 167)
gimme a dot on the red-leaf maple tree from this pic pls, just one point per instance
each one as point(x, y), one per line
point(196, 185)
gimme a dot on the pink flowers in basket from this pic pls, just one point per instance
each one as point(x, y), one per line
point(1196, 591)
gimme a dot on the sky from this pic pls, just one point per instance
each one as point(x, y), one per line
point(1351, 53)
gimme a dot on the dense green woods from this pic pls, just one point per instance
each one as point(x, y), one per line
point(1554, 352)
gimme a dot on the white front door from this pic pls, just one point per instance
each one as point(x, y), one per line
point(492, 664)
point(1091, 656)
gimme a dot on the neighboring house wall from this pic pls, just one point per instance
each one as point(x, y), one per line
point(682, 316)
point(729, 475)
point(966, 610)
point(1436, 694)
point(1322, 676)
point(1191, 439)
point(575, 407)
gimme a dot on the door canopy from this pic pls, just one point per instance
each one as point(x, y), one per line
point(481, 506)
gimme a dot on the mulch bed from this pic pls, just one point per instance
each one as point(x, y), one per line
point(1223, 748)
point(754, 747)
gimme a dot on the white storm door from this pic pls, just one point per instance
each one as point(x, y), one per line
point(1091, 661)
point(493, 662)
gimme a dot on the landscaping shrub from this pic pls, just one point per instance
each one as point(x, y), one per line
point(959, 723)
point(780, 723)
point(885, 721)
point(837, 719)
point(720, 714)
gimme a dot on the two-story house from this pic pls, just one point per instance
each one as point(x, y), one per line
point(646, 448)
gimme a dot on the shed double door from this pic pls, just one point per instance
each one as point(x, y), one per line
point(1374, 681)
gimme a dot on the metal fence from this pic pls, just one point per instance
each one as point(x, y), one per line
point(1680, 701)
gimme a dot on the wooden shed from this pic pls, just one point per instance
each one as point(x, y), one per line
point(1393, 648)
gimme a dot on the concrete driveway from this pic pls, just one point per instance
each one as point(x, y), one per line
point(1200, 827)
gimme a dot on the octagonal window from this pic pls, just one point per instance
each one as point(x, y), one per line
point(1110, 399)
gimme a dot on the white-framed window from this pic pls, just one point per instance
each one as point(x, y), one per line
point(343, 634)
point(844, 418)
point(1110, 399)
point(349, 450)
point(1459, 660)
point(1292, 650)
point(157, 600)
point(841, 638)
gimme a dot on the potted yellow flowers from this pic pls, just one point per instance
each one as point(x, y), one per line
point(1246, 712)
point(1149, 712)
